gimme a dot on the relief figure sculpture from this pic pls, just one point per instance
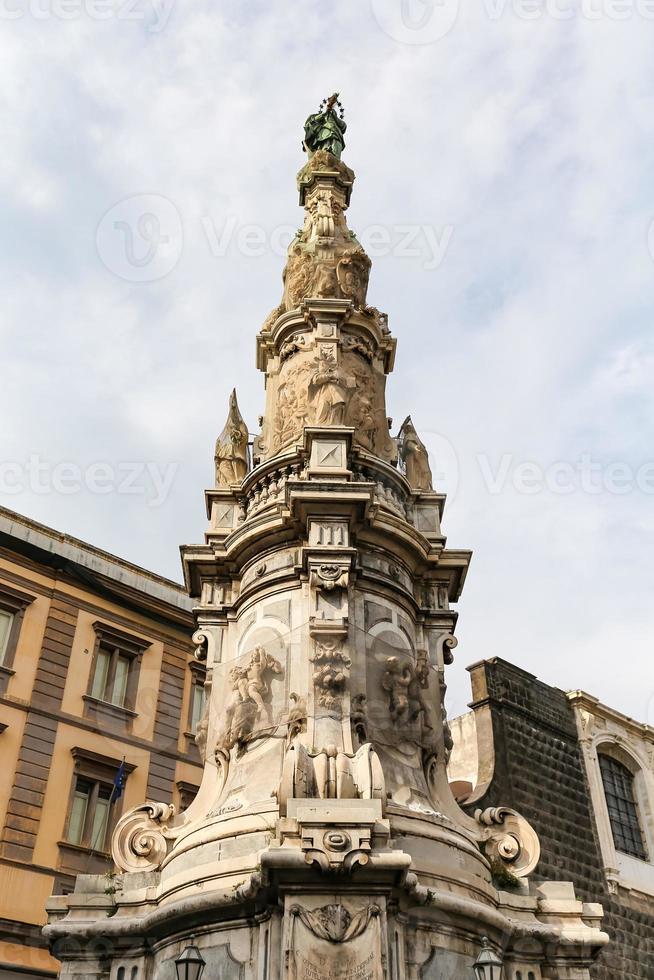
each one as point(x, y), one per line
point(403, 683)
point(329, 391)
point(250, 700)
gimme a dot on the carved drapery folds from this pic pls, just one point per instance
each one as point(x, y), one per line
point(334, 922)
point(509, 841)
point(334, 941)
point(331, 774)
point(327, 384)
point(143, 837)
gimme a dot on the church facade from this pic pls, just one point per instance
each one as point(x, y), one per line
point(583, 775)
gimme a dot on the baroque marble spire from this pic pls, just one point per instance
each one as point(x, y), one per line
point(325, 841)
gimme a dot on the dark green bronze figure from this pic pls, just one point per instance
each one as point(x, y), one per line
point(324, 129)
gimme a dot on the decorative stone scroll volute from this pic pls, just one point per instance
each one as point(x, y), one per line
point(324, 841)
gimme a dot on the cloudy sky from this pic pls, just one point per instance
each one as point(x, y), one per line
point(504, 161)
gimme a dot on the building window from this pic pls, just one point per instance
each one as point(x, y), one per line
point(621, 803)
point(6, 622)
point(113, 680)
point(89, 814)
point(111, 675)
point(187, 793)
point(197, 704)
point(93, 810)
point(197, 701)
point(12, 609)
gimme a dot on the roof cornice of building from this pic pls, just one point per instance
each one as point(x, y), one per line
point(56, 549)
point(588, 702)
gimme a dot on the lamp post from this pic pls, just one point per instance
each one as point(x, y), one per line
point(189, 964)
point(487, 966)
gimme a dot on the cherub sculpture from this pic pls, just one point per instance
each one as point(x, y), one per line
point(250, 696)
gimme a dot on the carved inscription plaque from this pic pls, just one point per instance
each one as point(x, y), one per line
point(334, 943)
point(343, 964)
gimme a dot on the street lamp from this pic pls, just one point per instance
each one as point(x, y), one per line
point(487, 966)
point(189, 964)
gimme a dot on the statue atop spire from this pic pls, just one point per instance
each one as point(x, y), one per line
point(324, 130)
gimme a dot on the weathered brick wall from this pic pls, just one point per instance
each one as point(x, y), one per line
point(539, 771)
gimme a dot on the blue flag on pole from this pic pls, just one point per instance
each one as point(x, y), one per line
point(119, 782)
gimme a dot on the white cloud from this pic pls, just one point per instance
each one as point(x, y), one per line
point(532, 338)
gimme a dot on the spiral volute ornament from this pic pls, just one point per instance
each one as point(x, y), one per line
point(139, 842)
point(509, 839)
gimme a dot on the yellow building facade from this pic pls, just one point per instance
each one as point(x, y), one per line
point(96, 670)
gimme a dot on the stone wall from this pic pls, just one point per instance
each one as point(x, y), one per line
point(539, 770)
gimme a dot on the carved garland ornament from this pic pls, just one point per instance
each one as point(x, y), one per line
point(331, 672)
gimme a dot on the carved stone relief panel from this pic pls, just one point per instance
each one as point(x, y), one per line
point(248, 712)
point(444, 964)
point(250, 691)
point(398, 714)
point(222, 962)
point(336, 940)
point(224, 515)
point(366, 409)
point(326, 383)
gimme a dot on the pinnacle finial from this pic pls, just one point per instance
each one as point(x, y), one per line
point(231, 456)
point(324, 130)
